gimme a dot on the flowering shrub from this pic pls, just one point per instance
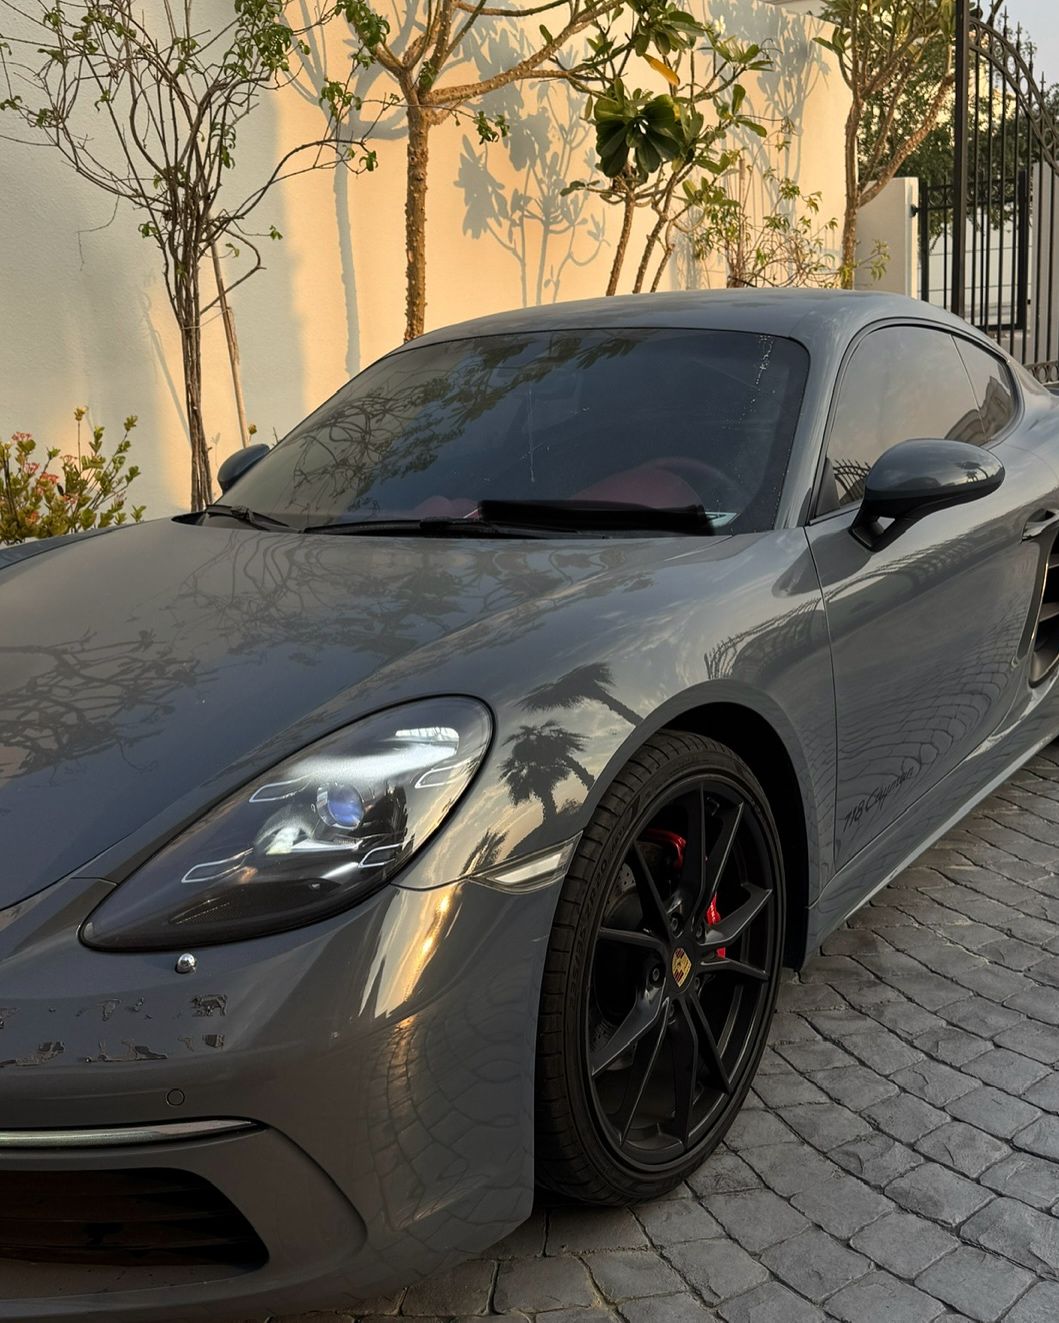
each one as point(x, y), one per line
point(57, 493)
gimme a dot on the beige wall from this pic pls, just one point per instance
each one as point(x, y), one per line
point(889, 220)
point(83, 316)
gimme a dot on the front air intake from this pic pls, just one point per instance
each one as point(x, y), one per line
point(122, 1218)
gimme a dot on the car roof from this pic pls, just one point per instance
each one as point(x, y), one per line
point(818, 318)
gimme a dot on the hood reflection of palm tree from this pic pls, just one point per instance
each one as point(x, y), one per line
point(486, 854)
point(584, 684)
point(541, 758)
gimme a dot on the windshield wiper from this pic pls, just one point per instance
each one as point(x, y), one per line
point(523, 519)
point(597, 516)
point(246, 516)
point(416, 528)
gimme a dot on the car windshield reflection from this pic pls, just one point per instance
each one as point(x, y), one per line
point(660, 419)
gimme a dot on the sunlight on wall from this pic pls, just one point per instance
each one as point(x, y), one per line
point(86, 319)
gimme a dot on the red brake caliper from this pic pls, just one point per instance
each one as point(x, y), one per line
point(713, 918)
point(679, 843)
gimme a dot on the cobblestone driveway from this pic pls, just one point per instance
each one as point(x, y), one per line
point(898, 1161)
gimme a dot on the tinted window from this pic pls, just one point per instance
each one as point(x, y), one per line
point(652, 417)
point(902, 382)
point(992, 387)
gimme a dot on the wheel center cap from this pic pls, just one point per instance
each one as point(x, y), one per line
point(681, 966)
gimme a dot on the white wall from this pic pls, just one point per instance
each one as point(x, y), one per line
point(889, 219)
point(83, 315)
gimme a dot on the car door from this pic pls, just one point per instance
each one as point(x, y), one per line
point(929, 632)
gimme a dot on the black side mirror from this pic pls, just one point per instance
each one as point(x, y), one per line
point(241, 462)
point(915, 478)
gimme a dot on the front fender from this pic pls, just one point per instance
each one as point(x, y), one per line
point(577, 688)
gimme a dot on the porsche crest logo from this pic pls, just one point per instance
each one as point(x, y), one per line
point(681, 966)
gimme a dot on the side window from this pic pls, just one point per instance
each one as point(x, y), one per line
point(902, 382)
point(992, 387)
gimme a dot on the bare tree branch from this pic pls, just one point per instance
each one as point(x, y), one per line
point(147, 107)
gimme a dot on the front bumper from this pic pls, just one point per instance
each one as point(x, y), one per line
point(384, 1059)
point(311, 1234)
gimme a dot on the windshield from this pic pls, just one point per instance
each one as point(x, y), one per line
point(662, 418)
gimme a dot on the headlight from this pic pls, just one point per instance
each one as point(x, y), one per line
point(307, 839)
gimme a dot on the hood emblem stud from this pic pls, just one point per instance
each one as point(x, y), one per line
point(186, 963)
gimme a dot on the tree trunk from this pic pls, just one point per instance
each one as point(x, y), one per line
point(340, 187)
point(849, 225)
point(233, 347)
point(415, 212)
point(667, 253)
point(187, 310)
point(649, 247)
point(628, 210)
point(849, 246)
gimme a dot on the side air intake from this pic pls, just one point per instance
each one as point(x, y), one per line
point(1046, 631)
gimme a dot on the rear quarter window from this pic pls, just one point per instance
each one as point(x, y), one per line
point(993, 387)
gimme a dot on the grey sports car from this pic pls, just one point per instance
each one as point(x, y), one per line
point(431, 817)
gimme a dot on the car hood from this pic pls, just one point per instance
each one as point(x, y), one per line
point(145, 672)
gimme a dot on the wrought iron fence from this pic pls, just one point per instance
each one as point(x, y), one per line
point(997, 285)
point(989, 246)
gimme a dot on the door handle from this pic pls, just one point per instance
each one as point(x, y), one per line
point(1039, 522)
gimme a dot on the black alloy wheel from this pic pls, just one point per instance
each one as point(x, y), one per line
point(661, 974)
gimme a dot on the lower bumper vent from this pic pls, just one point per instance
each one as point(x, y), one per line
point(131, 1218)
point(1046, 635)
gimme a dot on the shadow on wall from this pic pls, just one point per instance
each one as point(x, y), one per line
point(274, 366)
point(73, 301)
point(95, 326)
point(512, 191)
point(549, 144)
point(93, 323)
point(798, 62)
point(367, 85)
point(781, 95)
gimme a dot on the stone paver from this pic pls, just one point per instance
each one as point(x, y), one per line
point(982, 1285)
point(842, 1205)
point(616, 1228)
point(1033, 1180)
point(680, 1308)
point(535, 1285)
point(962, 1147)
point(756, 1219)
point(632, 1274)
point(904, 1244)
point(771, 1303)
point(1041, 1305)
point(676, 1221)
point(879, 1296)
point(899, 1159)
point(815, 1264)
point(464, 1289)
point(933, 1191)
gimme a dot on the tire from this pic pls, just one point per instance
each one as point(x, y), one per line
point(686, 1011)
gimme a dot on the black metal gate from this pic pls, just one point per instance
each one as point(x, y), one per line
point(988, 241)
